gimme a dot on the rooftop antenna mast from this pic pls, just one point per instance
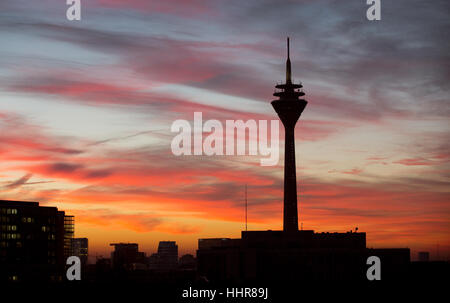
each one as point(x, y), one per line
point(246, 206)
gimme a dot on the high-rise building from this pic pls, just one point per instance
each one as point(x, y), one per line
point(80, 249)
point(69, 230)
point(32, 241)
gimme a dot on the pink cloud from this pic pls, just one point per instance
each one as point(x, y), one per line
point(415, 162)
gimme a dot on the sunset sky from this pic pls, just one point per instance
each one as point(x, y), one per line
point(86, 109)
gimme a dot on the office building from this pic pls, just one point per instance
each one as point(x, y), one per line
point(80, 249)
point(33, 241)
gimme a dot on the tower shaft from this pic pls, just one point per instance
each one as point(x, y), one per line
point(290, 212)
point(289, 107)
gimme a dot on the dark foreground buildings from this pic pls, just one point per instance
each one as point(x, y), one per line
point(34, 241)
point(292, 254)
point(278, 256)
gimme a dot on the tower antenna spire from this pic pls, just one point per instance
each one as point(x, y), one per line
point(288, 65)
point(288, 47)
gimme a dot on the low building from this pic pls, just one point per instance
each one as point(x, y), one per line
point(423, 256)
point(279, 256)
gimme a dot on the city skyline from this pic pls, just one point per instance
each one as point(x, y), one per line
point(86, 109)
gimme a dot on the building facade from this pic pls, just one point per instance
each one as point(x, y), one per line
point(80, 249)
point(32, 241)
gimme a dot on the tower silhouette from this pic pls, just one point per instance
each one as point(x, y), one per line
point(290, 255)
point(289, 107)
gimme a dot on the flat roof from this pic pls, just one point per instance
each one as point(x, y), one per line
point(18, 203)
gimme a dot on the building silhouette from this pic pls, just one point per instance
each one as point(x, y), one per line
point(423, 256)
point(166, 258)
point(80, 249)
point(187, 261)
point(153, 261)
point(34, 241)
point(168, 253)
point(69, 231)
point(292, 254)
point(126, 256)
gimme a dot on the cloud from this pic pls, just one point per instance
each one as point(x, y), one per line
point(64, 167)
point(414, 162)
point(19, 182)
point(140, 222)
point(25, 141)
point(353, 171)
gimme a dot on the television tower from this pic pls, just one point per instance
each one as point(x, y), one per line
point(289, 107)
